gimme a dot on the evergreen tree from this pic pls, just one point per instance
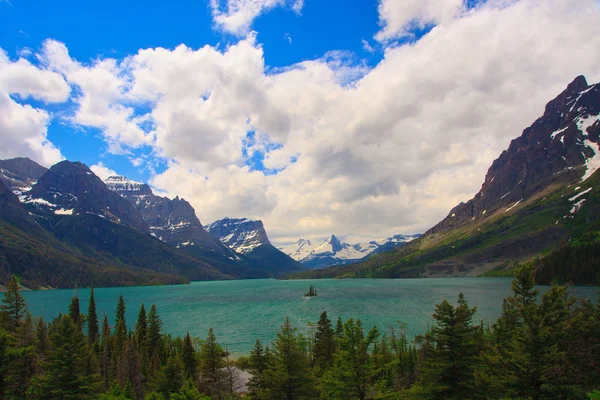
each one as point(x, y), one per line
point(106, 353)
point(258, 364)
point(13, 304)
point(339, 328)
point(211, 364)
point(24, 363)
point(153, 338)
point(120, 334)
point(351, 371)
point(65, 374)
point(189, 358)
point(448, 369)
point(288, 376)
point(128, 372)
point(141, 328)
point(324, 346)
point(92, 323)
point(7, 355)
point(75, 311)
point(42, 341)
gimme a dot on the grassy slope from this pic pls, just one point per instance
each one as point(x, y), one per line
point(534, 228)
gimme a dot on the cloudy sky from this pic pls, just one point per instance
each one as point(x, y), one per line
point(362, 118)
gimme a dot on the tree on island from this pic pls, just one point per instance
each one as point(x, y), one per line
point(311, 292)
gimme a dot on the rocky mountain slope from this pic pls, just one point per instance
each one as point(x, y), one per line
point(537, 198)
point(20, 174)
point(77, 208)
point(174, 222)
point(332, 251)
point(249, 238)
point(38, 258)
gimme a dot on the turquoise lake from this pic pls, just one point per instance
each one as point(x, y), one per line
point(242, 311)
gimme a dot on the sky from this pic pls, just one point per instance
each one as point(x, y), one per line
point(360, 118)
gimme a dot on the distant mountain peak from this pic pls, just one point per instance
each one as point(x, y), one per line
point(20, 174)
point(332, 251)
point(240, 234)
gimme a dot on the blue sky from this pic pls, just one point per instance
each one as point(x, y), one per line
point(117, 29)
point(360, 118)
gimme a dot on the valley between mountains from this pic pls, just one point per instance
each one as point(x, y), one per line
point(539, 203)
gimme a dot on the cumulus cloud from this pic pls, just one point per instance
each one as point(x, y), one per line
point(23, 128)
point(102, 103)
point(399, 17)
point(102, 171)
point(368, 151)
point(236, 16)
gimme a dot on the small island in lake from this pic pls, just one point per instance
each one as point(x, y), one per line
point(312, 292)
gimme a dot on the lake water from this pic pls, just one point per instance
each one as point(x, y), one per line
point(242, 311)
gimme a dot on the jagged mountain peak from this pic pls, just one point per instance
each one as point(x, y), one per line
point(70, 188)
point(240, 234)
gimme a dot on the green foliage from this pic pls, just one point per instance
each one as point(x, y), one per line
point(13, 306)
point(65, 369)
point(92, 322)
point(540, 348)
point(288, 375)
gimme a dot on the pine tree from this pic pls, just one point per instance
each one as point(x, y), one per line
point(189, 358)
point(75, 311)
point(350, 374)
point(324, 344)
point(258, 364)
point(129, 370)
point(42, 341)
point(92, 322)
point(65, 368)
point(106, 354)
point(7, 355)
point(339, 328)
point(288, 377)
point(120, 335)
point(13, 304)
point(153, 338)
point(211, 363)
point(141, 328)
point(24, 363)
point(448, 369)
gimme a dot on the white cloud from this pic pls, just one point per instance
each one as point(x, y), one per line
point(367, 47)
point(399, 17)
point(23, 128)
point(236, 16)
point(102, 171)
point(102, 103)
point(363, 151)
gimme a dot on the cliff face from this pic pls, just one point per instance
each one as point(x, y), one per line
point(558, 148)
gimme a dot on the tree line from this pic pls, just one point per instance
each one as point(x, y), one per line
point(541, 347)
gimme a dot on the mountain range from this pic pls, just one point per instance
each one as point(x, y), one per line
point(539, 203)
point(67, 227)
point(331, 251)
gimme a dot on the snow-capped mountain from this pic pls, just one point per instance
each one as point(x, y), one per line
point(174, 221)
point(248, 237)
point(242, 235)
point(331, 251)
point(71, 188)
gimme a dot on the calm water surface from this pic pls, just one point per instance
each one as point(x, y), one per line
point(242, 311)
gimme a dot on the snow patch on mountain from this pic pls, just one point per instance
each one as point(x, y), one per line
point(241, 235)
